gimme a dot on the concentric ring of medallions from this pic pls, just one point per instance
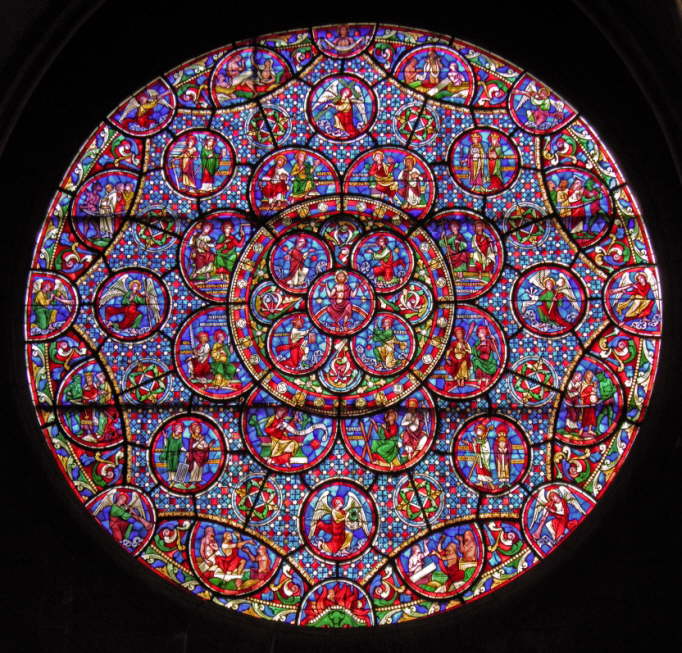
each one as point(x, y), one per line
point(351, 336)
point(342, 325)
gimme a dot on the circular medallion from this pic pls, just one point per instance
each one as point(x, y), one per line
point(475, 357)
point(247, 73)
point(90, 414)
point(147, 381)
point(148, 111)
point(549, 300)
point(533, 381)
point(198, 162)
point(352, 328)
point(385, 258)
point(440, 73)
point(257, 500)
point(127, 514)
point(445, 563)
point(341, 302)
point(297, 258)
point(289, 176)
point(491, 454)
point(633, 300)
point(156, 229)
point(132, 304)
point(535, 108)
point(393, 175)
point(205, 357)
point(484, 161)
point(416, 123)
point(228, 561)
point(526, 225)
point(99, 206)
point(582, 202)
point(284, 439)
point(396, 439)
point(338, 520)
point(552, 512)
point(51, 306)
point(418, 500)
point(473, 249)
point(187, 454)
point(267, 124)
point(342, 107)
point(592, 405)
point(209, 252)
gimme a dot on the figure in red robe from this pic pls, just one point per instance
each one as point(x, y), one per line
point(275, 186)
point(90, 395)
point(382, 175)
point(589, 399)
point(297, 347)
point(340, 536)
point(385, 269)
point(556, 517)
point(298, 271)
point(340, 308)
point(129, 308)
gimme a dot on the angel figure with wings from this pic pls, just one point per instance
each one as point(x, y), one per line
point(125, 509)
point(542, 105)
point(551, 299)
point(340, 109)
point(141, 108)
point(343, 522)
point(637, 297)
point(552, 514)
point(128, 297)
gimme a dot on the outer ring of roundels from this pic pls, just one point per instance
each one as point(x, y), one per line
point(141, 377)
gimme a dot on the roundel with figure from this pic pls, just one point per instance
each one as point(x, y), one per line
point(342, 327)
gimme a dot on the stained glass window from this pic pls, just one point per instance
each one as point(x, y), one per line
point(342, 326)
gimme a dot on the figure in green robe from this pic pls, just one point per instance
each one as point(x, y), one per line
point(607, 391)
point(386, 341)
point(227, 249)
point(210, 160)
point(172, 450)
point(303, 181)
point(484, 355)
point(386, 445)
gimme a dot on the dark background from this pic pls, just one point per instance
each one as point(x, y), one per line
point(613, 585)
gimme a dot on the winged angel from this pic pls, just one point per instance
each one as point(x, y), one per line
point(141, 107)
point(551, 298)
point(125, 509)
point(128, 296)
point(542, 105)
point(551, 512)
point(340, 109)
point(343, 521)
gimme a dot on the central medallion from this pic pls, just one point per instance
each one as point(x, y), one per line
point(341, 306)
point(341, 302)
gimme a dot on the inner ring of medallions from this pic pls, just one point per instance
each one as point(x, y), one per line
point(341, 294)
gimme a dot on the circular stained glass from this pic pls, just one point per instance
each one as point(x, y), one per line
point(344, 327)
